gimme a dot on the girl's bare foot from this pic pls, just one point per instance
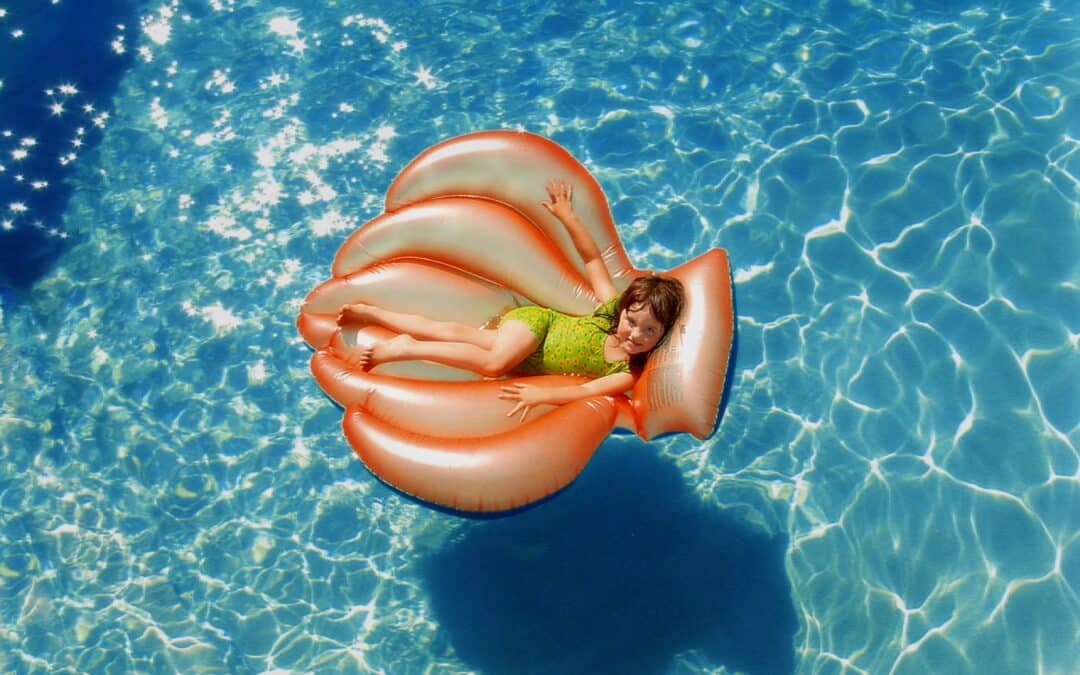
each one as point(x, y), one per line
point(395, 349)
point(367, 357)
point(359, 357)
point(359, 313)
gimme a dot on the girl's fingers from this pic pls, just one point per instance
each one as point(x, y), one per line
point(524, 410)
point(557, 188)
point(519, 406)
point(511, 393)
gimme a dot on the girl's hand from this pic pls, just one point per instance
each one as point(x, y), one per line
point(526, 395)
point(561, 195)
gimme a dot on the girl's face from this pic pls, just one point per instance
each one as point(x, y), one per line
point(638, 330)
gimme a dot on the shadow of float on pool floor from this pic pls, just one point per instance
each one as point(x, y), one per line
point(618, 574)
point(60, 48)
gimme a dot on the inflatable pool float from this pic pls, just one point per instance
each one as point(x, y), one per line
point(464, 237)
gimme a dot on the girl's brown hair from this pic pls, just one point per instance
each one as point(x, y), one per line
point(664, 297)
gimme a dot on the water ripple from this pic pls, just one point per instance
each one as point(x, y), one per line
point(897, 186)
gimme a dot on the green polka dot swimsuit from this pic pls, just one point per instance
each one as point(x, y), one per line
point(569, 345)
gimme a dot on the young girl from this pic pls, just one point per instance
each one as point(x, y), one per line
point(619, 334)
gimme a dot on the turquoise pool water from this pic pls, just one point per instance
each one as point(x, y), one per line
point(893, 487)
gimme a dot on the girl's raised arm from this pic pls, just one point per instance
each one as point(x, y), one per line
point(560, 194)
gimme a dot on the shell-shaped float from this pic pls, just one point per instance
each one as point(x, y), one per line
point(464, 238)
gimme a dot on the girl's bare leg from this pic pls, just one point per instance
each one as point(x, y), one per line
point(419, 327)
point(511, 344)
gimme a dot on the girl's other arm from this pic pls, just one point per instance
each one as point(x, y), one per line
point(561, 206)
point(529, 395)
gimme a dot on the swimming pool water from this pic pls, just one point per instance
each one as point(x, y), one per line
point(893, 487)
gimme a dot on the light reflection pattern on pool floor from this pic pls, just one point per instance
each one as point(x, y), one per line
point(897, 186)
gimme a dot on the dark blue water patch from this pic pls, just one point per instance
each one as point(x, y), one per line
point(618, 574)
point(59, 64)
point(564, 22)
